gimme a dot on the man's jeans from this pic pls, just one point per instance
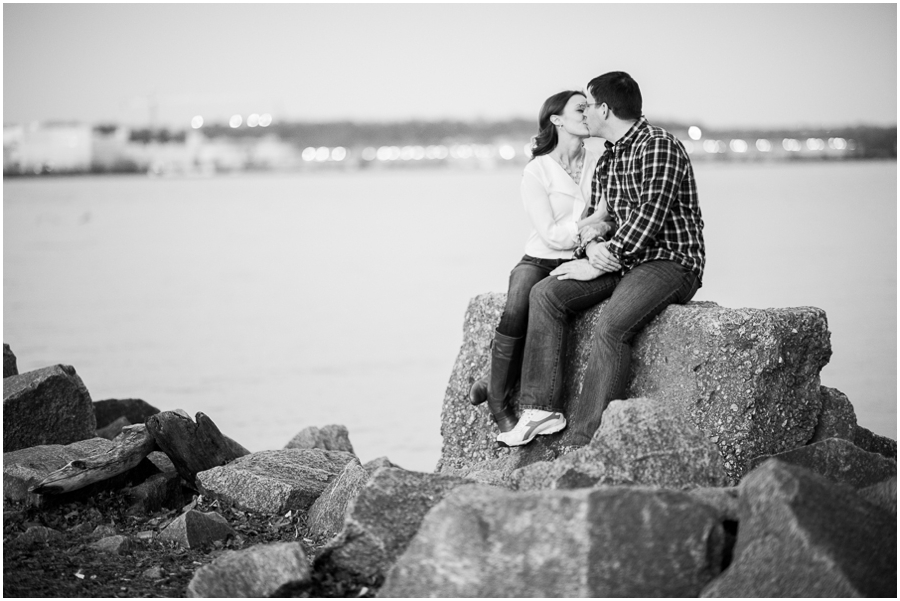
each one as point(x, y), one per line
point(635, 299)
point(528, 272)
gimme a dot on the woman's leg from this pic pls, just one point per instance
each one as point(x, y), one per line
point(509, 341)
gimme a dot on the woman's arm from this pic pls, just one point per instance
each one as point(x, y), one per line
point(558, 236)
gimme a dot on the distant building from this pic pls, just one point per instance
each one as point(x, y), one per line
point(47, 147)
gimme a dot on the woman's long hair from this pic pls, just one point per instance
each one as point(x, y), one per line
point(547, 138)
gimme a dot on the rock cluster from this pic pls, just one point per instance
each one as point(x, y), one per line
point(728, 471)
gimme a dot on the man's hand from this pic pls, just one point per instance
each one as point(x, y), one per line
point(600, 258)
point(576, 270)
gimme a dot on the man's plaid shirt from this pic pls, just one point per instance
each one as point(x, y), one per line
point(650, 190)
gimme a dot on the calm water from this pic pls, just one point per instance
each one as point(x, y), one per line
point(276, 302)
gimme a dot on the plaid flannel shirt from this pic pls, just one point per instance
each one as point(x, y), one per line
point(650, 190)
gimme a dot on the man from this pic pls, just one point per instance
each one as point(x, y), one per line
point(655, 258)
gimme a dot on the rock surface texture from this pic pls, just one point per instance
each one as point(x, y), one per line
point(641, 441)
point(46, 406)
point(194, 529)
point(383, 518)
point(274, 482)
point(839, 461)
point(9, 362)
point(747, 378)
point(804, 536)
point(255, 572)
point(326, 516)
point(330, 438)
point(482, 541)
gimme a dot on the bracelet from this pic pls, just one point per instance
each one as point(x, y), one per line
point(581, 249)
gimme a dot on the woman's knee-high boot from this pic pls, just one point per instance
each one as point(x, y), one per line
point(497, 387)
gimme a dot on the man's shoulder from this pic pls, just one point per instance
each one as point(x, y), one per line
point(650, 132)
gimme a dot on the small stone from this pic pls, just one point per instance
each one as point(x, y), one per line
point(154, 573)
point(113, 544)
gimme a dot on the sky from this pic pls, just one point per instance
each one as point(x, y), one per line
point(718, 65)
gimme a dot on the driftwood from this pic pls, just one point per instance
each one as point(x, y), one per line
point(132, 445)
point(192, 446)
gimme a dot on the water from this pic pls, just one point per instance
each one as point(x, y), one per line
point(275, 302)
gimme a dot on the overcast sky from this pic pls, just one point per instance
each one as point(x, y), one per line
point(714, 64)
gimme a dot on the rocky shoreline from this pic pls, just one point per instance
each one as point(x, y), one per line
point(729, 471)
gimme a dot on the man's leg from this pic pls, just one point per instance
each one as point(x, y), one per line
point(553, 303)
point(643, 293)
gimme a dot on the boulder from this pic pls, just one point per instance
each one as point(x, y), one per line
point(39, 535)
point(641, 441)
point(254, 572)
point(329, 438)
point(9, 362)
point(483, 541)
point(873, 443)
point(371, 466)
point(724, 501)
point(326, 515)
point(838, 419)
point(136, 411)
point(193, 529)
point(274, 482)
point(883, 494)
point(117, 544)
point(110, 431)
point(46, 406)
point(25, 468)
point(382, 519)
point(802, 535)
point(839, 461)
point(747, 378)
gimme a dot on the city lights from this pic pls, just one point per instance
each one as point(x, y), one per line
point(253, 120)
point(197, 122)
point(791, 145)
point(815, 144)
point(507, 152)
point(694, 132)
point(738, 146)
point(338, 154)
point(265, 120)
point(235, 121)
point(763, 145)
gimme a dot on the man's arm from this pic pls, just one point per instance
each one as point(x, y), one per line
point(663, 167)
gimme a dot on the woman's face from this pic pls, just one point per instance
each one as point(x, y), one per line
point(572, 117)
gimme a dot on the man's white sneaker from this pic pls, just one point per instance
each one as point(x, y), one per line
point(532, 423)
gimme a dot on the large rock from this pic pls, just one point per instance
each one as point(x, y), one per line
point(256, 572)
point(382, 519)
point(839, 461)
point(46, 406)
point(484, 541)
point(837, 419)
point(193, 529)
point(748, 378)
point(330, 438)
point(326, 516)
point(113, 429)
point(641, 441)
point(136, 411)
point(9, 362)
point(25, 468)
point(874, 443)
point(804, 536)
point(274, 482)
point(883, 494)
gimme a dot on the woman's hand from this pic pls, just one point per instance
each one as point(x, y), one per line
point(589, 232)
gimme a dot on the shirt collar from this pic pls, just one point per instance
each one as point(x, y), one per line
point(629, 136)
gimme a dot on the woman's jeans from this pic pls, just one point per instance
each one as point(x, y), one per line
point(635, 299)
point(528, 272)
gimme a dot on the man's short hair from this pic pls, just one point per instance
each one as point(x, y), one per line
point(620, 93)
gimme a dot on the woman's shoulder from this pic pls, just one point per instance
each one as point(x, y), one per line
point(538, 166)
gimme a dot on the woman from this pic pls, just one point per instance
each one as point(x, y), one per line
point(556, 188)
